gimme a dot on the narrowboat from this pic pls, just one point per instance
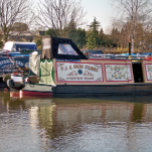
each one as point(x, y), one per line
point(69, 73)
point(14, 59)
point(62, 70)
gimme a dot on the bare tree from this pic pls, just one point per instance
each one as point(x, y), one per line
point(135, 12)
point(58, 14)
point(12, 11)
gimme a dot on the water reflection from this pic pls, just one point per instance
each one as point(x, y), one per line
point(84, 125)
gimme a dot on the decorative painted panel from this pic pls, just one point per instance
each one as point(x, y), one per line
point(46, 72)
point(148, 68)
point(118, 72)
point(79, 72)
point(9, 65)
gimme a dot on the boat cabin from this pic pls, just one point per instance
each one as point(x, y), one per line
point(71, 66)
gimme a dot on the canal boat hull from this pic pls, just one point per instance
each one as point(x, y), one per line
point(38, 90)
point(138, 89)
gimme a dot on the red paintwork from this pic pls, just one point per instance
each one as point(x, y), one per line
point(148, 58)
point(35, 93)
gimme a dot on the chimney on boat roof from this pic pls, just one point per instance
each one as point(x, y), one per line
point(46, 48)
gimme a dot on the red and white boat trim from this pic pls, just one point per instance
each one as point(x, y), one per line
point(37, 90)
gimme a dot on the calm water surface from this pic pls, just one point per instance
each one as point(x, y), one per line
point(75, 125)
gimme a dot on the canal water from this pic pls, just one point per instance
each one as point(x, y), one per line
point(122, 124)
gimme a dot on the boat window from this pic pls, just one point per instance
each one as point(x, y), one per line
point(66, 49)
point(20, 47)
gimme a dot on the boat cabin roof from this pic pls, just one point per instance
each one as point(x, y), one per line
point(14, 46)
point(60, 48)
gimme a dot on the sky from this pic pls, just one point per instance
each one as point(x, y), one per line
point(103, 10)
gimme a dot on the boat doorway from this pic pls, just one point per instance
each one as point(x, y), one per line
point(137, 72)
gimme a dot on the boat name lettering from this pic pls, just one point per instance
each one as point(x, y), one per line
point(80, 78)
point(4, 62)
point(19, 63)
point(91, 68)
point(76, 66)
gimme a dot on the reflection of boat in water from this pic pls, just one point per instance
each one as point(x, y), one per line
point(71, 114)
point(63, 67)
point(71, 124)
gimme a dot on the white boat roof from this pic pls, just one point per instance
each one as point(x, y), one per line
point(9, 45)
